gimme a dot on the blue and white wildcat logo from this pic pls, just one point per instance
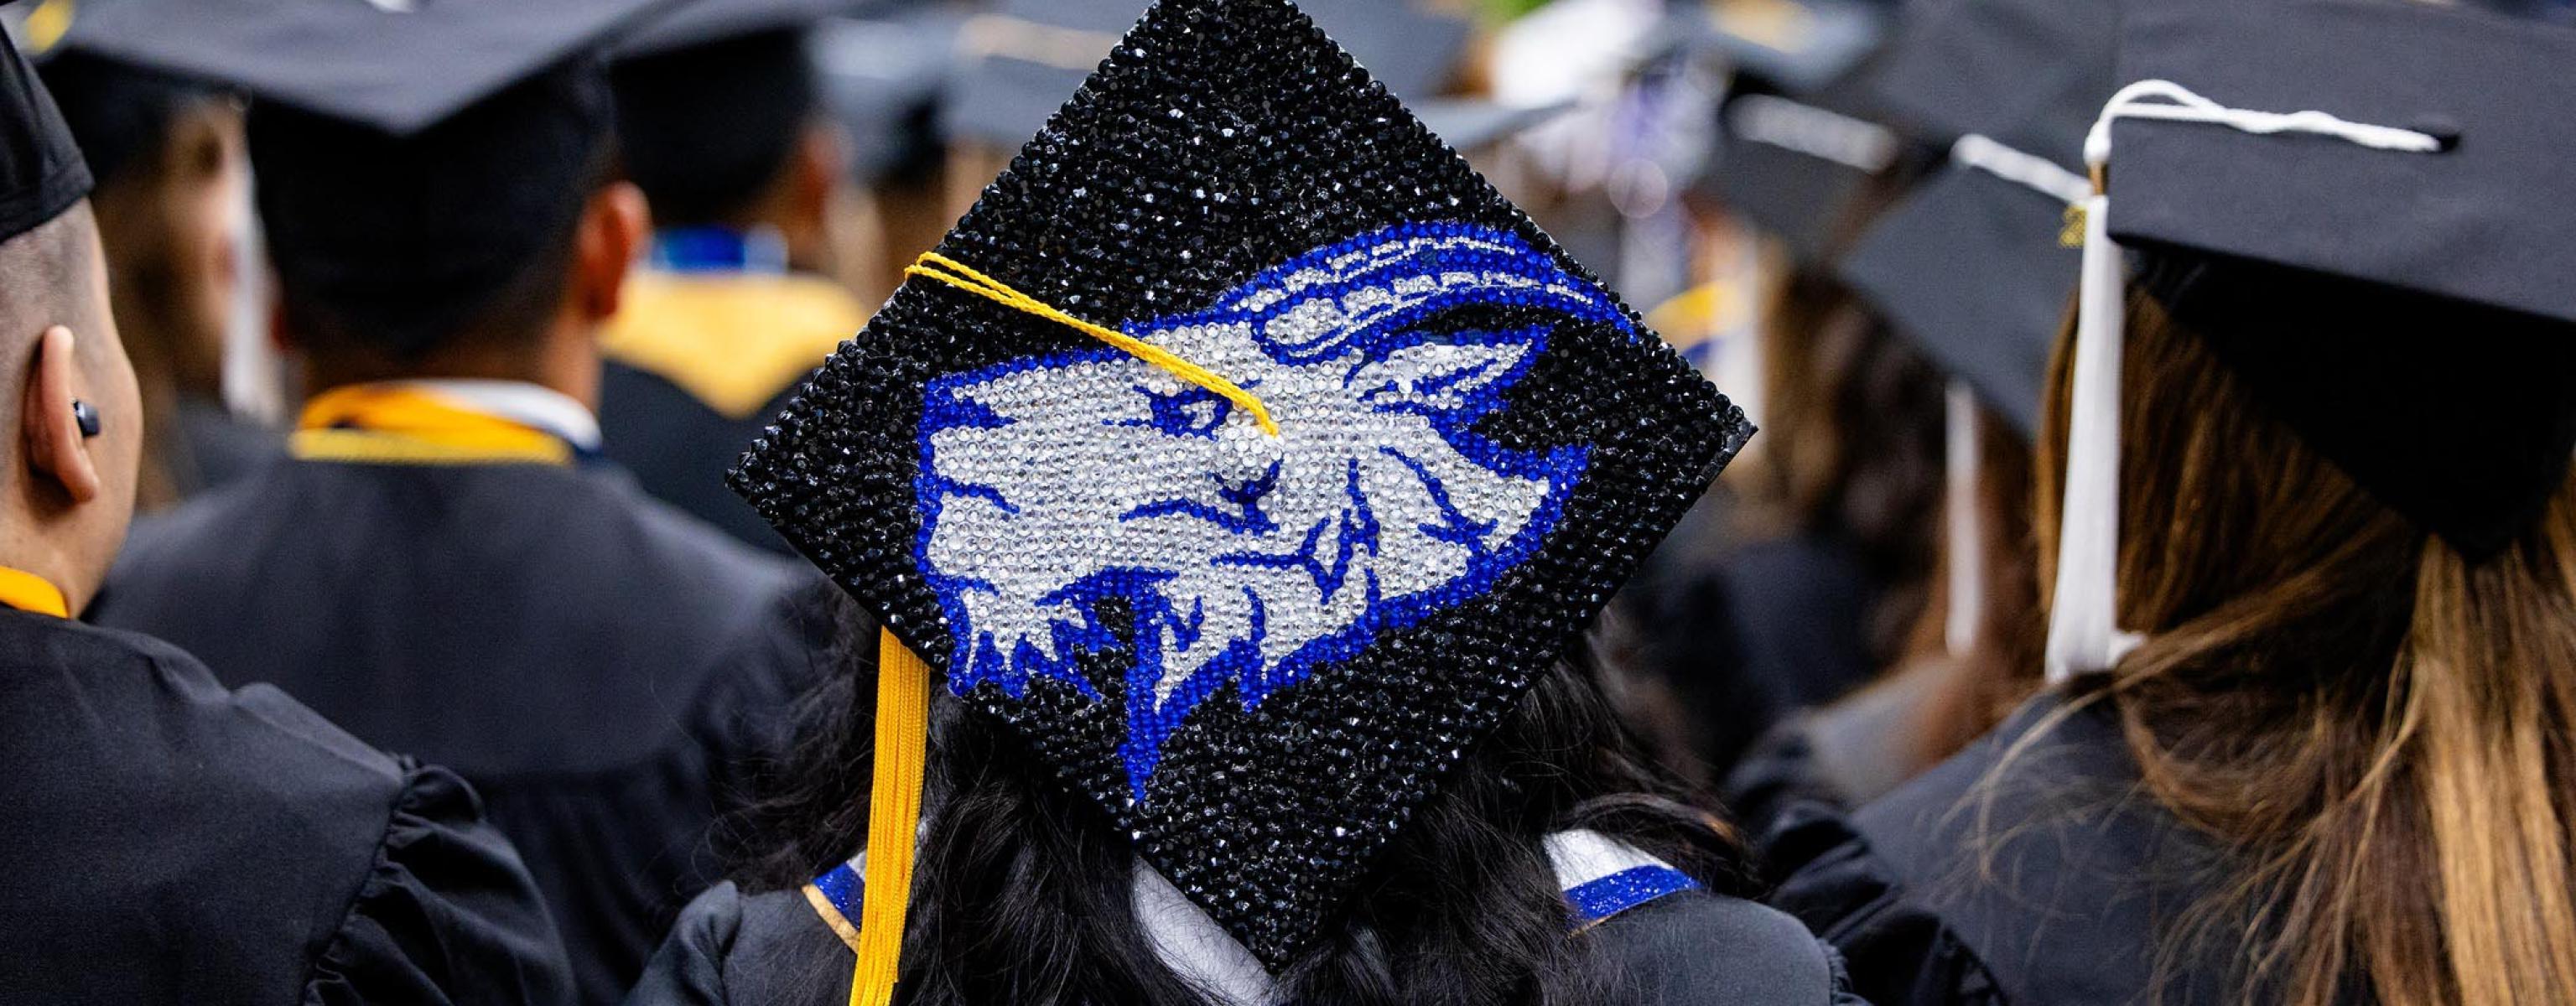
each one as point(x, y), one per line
point(1051, 485)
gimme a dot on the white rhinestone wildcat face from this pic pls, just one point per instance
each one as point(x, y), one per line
point(1051, 485)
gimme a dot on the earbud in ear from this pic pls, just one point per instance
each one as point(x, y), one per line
point(86, 415)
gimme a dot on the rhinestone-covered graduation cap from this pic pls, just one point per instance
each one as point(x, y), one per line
point(1048, 466)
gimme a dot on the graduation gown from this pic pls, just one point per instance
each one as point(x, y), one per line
point(1753, 632)
point(1838, 757)
point(2054, 893)
point(699, 362)
point(1672, 943)
point(599, 665)
point(168, 841)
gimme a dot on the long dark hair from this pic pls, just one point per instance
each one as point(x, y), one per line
point(1023, 892)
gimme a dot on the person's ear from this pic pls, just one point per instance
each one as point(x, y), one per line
point(57, 445)
point(613, 231)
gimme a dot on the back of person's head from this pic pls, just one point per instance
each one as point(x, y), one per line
point(2378, 726)
point(1024, 888)
point(67, 467)
point(393, 247)
point(710, 131)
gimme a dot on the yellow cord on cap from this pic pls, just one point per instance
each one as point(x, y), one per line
point(935, 266)
point(894, 818)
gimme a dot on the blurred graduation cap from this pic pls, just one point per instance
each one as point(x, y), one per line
point(414, 156)
point(1970, 265)
point(699, 22)
point(1799, 141)
point(2396, 288)
point(41, 170)
point(1022, 58)
point(398, 66)
point(883, 78)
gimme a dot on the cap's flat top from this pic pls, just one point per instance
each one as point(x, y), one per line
point(398, 65)
point(2029, 73)
point(696, 22)
point(2491, 221)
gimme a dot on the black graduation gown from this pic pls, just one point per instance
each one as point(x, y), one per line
point(167, 841)
point(1755, 632)
point(1686, 949)
point(1840, 757)
point(597, 664)
point(698, 363)
point(679, 448)
point(2054, 893)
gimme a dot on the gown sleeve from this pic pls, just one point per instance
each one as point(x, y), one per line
point(446, 914)
point(689, 969)
point(1897, 952)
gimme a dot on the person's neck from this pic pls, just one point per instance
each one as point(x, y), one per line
point(563, 361)
point(40, 548)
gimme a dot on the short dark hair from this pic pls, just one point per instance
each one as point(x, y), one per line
point(44, 282)
point(708, 129)
point(401, 244)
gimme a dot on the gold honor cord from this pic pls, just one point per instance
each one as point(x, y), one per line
point(935, 266)
point(894, 818)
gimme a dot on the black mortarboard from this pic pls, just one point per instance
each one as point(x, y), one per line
point(1970, 264)
point(414, 158)
point(121, 114)
point(396, 65)
point(1799, 147)
point(882, 79)
point(1025, 56)
point(698, 22)
point(713, 99)
point(1257, 653)
point(41, 170)
point(2408, 313)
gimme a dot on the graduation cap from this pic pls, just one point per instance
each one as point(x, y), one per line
point(713, 99)
point(1970, 264)
point(1244, 451)
point(1800, 146)
point(41, 170)
point(699, 22)
point(882, 78)
point(395, 65)
point(1026, 55)
point(414, 156)
point(2365, 207)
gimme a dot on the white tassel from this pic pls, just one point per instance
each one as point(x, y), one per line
point(2083, 627)
point(1967, 559)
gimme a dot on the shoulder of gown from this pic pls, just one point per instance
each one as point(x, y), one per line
point(234, 846)
point(1701, 949)
point(731, 947)
point(2027, 869)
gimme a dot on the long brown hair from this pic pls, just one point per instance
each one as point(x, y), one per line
point(1973, 691)
point(2378, 732)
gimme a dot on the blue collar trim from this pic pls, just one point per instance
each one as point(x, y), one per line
point(719, 249)
point(1600, 899)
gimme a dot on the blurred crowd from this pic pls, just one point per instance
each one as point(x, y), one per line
point(2148, 579)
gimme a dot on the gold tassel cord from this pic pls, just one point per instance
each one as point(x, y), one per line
point(894, 818)
point(941, 268)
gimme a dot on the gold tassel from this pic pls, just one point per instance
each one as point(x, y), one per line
point(894, 818)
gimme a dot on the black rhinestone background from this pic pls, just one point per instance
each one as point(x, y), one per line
point(1223, 137)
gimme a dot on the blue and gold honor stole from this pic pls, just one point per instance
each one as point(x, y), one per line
point(33, 594)
point(1601, 877)
point(397, 423)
